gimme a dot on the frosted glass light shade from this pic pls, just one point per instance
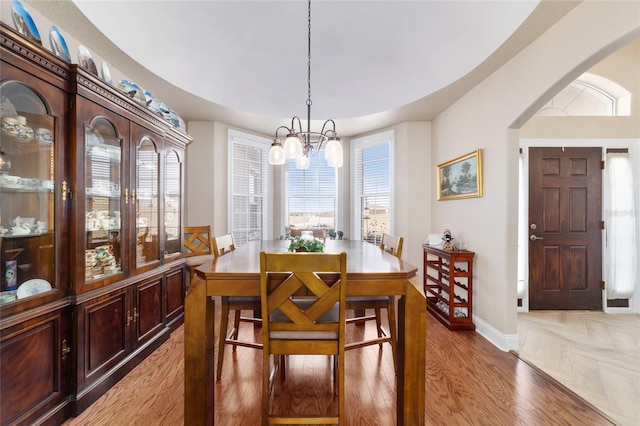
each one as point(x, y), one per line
point(333, 153)
point(292, 146)
point(333, 150)
point(303, 162)
point(276, 154)
point(336, 162)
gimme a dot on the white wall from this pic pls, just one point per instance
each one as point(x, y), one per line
point(485, 118)
point(208, 176)
point(412, 194)
point(200, 157)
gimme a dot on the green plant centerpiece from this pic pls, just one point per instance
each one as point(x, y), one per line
point(312, 245)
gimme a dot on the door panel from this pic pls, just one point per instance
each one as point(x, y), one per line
point(148, 314)
point(565, 261)
point(175, 294)
point(34, 368)
point(104, 325)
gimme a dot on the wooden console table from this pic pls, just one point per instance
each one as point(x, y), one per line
point(448, 286)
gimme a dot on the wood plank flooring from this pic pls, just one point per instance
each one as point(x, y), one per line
point(468, 382)
point(596, 355)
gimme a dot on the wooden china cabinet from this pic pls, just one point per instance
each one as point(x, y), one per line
point(91, 213)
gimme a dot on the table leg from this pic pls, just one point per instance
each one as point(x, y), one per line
point(199, 314)
point(412, 346)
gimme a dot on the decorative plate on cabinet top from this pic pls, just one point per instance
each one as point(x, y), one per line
point(86, 61)
point(106, 73)
point(174, 119)
point(177, 121)
point(182, 126)
point(165, 111)
point(156, 105)
point(32, 287)
point(24, 23)
point(58, 44)
point(133, 91)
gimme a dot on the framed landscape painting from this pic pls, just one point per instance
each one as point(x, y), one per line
point(460, 177)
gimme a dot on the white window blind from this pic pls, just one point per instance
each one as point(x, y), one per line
point(372, 175)
point(311, 194)
point(621, 260)
point(249, 177)
point(172, 201)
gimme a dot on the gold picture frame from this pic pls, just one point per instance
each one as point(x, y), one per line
point(460, 177)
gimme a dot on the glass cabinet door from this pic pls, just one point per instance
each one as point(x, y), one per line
point(147, 249)
point(172, 203)
point(27, 203)
point(103, 185)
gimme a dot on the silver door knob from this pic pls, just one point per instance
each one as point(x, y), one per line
point(534, 238)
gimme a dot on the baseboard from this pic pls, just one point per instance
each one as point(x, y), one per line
point(504, 342)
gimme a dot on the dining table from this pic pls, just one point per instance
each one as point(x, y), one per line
point(370, 272)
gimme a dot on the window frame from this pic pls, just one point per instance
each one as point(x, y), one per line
point(288, 166)
point(359, 144)
point(263, 144)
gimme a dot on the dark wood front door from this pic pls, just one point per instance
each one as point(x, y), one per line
point(565, 199)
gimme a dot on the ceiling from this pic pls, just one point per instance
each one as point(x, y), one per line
point(244, 63)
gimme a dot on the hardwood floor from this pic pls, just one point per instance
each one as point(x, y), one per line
point(596, 355)
point(468, 382)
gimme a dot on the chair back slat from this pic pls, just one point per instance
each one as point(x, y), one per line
point(197, 240)
point(392, 244)
point(222, 245)
point(323, 291)
point(283, 291)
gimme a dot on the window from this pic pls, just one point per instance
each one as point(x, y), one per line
point(249, 178)
point(372, 174)
point(621, 259)
point(311, 194)
point(589, 95)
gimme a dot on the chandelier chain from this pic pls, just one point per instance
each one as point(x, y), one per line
point(300, 144)
point(309, 54)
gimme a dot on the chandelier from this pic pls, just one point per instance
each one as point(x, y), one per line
point(301, 144)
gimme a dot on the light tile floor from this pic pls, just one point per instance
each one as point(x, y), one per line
point(596, 355)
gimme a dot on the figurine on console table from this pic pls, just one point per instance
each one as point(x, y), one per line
point(447, 238)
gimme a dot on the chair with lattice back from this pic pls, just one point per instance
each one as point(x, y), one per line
point(197, 247)
point(222, 245)
point(302, 325)
point(392, 245)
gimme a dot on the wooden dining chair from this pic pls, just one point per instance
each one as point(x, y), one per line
point(222, 245)
point(392, 245)
point(294, 325)
point(197, 245)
